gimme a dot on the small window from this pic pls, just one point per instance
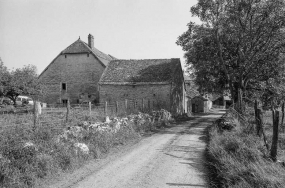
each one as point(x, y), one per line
point(63, 86)
point(64, 101)
point(65, 56)
point(87, 55)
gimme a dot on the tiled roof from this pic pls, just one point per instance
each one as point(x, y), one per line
point(214, 97)
point(201, 97)
point(145, 70)
point(80, 46)
point(192, 93)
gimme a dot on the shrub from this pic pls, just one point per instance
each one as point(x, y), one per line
point(237, 160)
point(28, 155)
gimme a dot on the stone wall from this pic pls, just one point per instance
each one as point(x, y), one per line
point(158, 94)
point(178, 95)
point(80, 72)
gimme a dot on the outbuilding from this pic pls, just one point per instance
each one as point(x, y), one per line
point(150, 82)
point(199, 104)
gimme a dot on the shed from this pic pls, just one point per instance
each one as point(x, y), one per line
point(199, 104)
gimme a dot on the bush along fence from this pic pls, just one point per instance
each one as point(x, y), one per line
point(238, 158)
point(48, 148)
point(253, 120)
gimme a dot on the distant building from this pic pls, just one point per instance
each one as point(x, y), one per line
point(195, 101)
point(157, 81)
point(74, 74)
point(199, 104)
point(221, 101)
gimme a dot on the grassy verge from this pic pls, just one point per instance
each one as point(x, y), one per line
point(30, 155)
point(239, 159)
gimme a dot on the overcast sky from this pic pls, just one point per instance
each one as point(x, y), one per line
point(36, 31)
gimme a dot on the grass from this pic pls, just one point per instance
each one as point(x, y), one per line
point(239, 159)
point(48, 156)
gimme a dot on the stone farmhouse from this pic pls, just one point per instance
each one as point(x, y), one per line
point(159, 82)
point(74, 73)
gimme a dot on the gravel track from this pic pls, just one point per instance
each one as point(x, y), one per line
point(173, 157)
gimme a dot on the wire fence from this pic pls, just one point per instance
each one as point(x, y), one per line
point(117, 108)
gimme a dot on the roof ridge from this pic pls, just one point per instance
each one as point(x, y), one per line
point(142, 59)
point(97, 50)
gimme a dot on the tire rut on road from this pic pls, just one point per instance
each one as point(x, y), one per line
point(173, 157)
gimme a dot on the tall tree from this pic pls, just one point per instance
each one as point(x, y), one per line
point(23, 81)
point(237, 45)
point(3, 79)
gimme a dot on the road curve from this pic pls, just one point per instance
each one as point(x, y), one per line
point(170, 158)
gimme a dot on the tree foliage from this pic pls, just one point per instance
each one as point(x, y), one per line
point(21, 81)
point(239, 45)
point(3, 78)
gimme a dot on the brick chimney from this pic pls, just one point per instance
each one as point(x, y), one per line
point(90, 41)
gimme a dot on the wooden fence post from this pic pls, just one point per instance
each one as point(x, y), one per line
point(89, 104)
point(36, 113)
point(273, 152)
point(67, 110)
point(282, 120)
point(126, 105)
point(256, 118)
point(106, 108)
point(117, 108)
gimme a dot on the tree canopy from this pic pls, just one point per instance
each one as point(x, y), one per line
point(238, 46)
point(21, 81)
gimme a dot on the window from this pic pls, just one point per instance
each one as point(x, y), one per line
point(63, 86)
point(87, 55)
point(65, 56)
point(64, 101)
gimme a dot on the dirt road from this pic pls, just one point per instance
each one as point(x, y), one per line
point(170, 158)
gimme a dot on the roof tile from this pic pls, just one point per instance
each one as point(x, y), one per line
point(145, 70)
point(80, 46)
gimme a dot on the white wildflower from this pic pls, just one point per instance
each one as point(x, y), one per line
point(81, 146)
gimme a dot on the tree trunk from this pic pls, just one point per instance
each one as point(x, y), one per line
point(273, 152)
point(240, 101)
point(260, 121)
point(257, 119)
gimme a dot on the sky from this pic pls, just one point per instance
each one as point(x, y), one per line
point(35, 32)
